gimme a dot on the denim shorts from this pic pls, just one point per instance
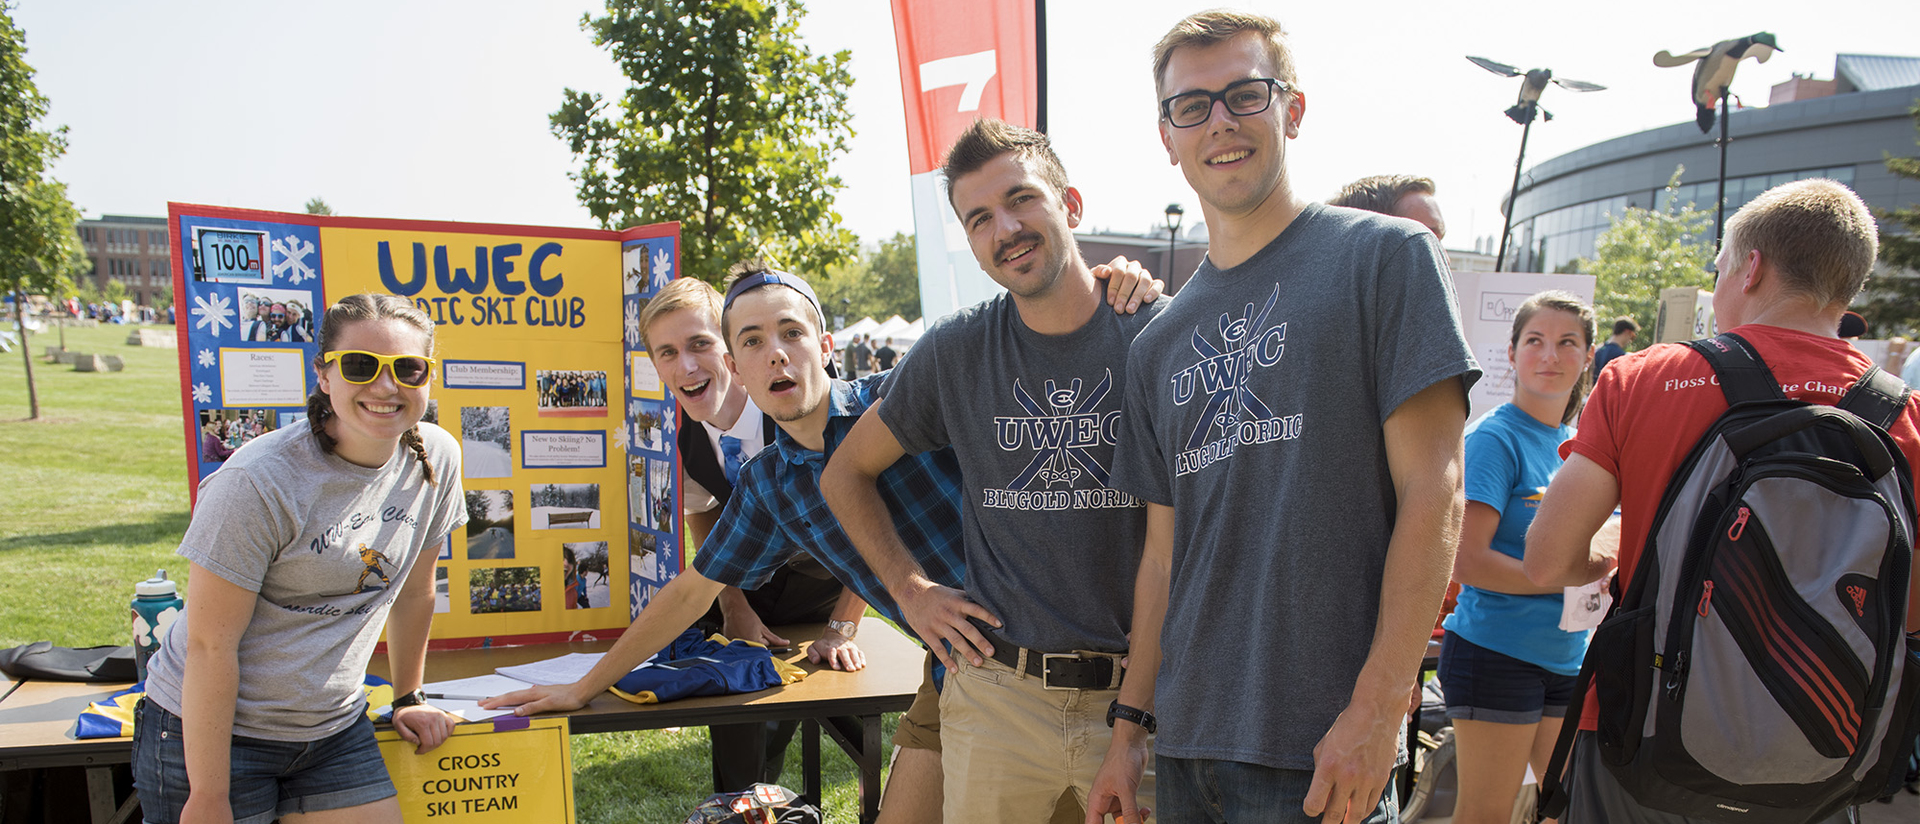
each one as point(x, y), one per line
point(1483, 685)
point(269, 778)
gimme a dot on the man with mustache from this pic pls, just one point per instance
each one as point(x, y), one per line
point(1025, 388)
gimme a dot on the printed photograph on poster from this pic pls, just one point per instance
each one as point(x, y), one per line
point(433, 412)
point(506, 589)
point(565, 506)
point(637, 510)
point(486, 438)
point(586, 569)
point(224, 430)
point(276, 315)
point(563, 449)
point(489, 524)
point(641, 546)
point(649, 429)
point(441, 601)
point(660, 493)
point(229, 255)
point(571, 393)
point(479, 374)
point(263, 377)
point(635, 268)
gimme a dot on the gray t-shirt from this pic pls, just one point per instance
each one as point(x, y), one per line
point(326, 544)
point(1254, 408)
point(1052, 549)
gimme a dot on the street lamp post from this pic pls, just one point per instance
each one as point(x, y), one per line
point(1174, 216)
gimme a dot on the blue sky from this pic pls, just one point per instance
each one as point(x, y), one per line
point(438, 109)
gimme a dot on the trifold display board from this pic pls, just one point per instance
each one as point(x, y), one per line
point(571, 483)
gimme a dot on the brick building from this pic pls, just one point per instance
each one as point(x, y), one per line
point(132, 251)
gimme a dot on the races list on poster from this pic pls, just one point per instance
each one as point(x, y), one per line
point(263, 377)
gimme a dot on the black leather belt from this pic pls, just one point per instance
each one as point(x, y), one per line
point(1057, 670)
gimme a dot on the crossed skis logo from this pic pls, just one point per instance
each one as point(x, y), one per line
point(1221, 375)
point(1060, 432)
point(1062, 427)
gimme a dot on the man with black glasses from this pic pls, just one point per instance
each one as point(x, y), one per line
point(1300, 406)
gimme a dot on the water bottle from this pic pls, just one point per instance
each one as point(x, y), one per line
point(156, 602)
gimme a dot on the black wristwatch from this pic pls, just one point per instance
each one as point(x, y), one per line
point(1136, 715)
point(420, 697)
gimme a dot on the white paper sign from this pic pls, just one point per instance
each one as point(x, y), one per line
point(485, 374)
point(563, 449)
point(646, 377)
point(1487, 303)
point(1583, 607)
point(263, 377)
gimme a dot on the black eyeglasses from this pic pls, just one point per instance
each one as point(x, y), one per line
point(359, 367)
point(1243, 97)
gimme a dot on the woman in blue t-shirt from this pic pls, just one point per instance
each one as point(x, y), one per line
point(1506, 666)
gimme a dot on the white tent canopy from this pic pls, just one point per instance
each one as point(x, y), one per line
point(859, 327)
point(889, 327)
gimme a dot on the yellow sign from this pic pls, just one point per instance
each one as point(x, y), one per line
point(508, 770)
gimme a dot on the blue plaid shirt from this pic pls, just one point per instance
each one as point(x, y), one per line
point(777, 507)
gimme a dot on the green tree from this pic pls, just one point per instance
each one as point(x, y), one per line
point(318, 206)
point(1891, 302)
point(728, 126)
point(879, 283)
point(39, 248)
point(1645, 251)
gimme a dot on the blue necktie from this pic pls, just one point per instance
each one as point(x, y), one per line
point(730, 458)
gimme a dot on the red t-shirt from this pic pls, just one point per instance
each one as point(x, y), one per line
point(1649, 408)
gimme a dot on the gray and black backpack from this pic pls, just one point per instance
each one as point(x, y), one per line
point(1756, 669)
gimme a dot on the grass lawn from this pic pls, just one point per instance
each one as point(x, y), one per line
point(96, 500)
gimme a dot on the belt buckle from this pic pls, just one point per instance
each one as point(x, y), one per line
point(1046, 668)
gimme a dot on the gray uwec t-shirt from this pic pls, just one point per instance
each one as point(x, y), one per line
point(326, 544)
point(1052, 549)
point(1254, 407)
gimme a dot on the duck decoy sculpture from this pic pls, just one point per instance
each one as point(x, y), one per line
point(1714, 72)
point(1536, 82)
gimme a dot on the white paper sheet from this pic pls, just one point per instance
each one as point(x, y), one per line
point(563, 670)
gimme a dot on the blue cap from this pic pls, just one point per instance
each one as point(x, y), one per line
point(758, 279)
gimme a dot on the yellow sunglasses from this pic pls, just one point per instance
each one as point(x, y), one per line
point(359, 367)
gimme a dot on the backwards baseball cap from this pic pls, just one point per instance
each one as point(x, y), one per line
point(769, 277)
point(755, 280)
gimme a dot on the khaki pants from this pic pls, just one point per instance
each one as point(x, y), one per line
point(1011, 747)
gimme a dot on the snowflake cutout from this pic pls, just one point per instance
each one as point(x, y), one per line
point(667, 425)
point(633, 324)
point(213, 314)
point(207, 358)
point(620, 439)
point(293, 258)
point(202, 393)
point(662, 268)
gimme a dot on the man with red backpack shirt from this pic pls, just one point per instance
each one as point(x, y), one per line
point(1791, 261)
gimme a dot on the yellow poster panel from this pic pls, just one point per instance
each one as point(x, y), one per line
point(531, 380)
point(485, 286)
point(518, 771)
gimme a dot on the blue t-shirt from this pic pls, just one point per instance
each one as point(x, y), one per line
point(1511, 457)
point(1607, 352)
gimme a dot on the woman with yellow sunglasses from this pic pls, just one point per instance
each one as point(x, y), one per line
point(303, 545)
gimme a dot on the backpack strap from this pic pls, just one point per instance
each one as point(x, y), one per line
point(1877, 397)
point(1743, 376)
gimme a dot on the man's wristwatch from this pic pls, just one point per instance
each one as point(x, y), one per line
point(847, 629)
point(1136, 715)
point(415, 697)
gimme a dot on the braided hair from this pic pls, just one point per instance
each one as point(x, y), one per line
point(354, 309)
